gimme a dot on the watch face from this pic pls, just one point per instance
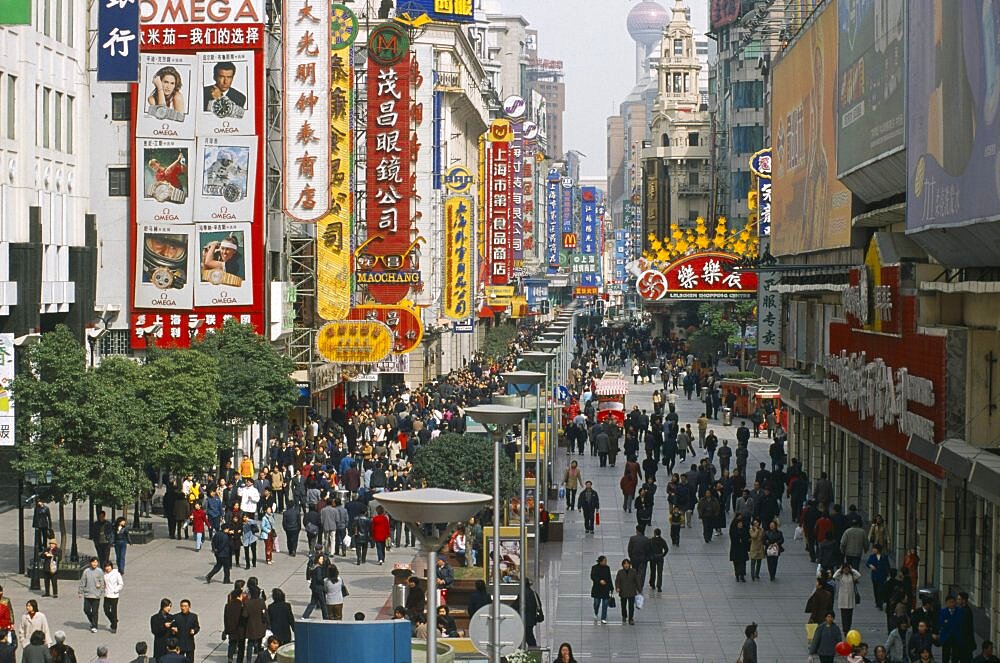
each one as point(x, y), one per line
point(161, 192)
point(222, 107)
point(162, 278)
point(159, 112)
point(215, 276)
point(232, 193)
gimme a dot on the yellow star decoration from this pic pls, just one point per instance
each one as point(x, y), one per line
point(682, 242)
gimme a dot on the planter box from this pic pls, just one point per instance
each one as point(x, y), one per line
point(140, 537)
point(556, 528)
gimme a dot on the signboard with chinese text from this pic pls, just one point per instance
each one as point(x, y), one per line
point(333, 246)
point(768, 320)
point(498, 223)
point(553, 221)
point(517, 193)
point(117, 39)
point(588, 233)
point(566, 194)
point(458, 276)
point(389, 180)
point(177, 328)
point(6, 399)
point(354, 342)
point(441, 11)
point(702, 276)
point(306, 103)
point(760, 169)
point(403, 320)
point(229, 98)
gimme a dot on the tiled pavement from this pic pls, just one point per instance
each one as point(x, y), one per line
point(701, 614)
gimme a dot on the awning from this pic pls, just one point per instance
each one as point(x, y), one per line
point(798, 389)
point(799, 288)
point(979, 467)
point(611, 387)
point(969, 287)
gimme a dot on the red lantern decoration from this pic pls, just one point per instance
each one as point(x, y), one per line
point(844, 648)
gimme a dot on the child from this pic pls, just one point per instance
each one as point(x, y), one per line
point(676, 523)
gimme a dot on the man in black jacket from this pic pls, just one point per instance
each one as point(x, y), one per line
point(223, 551)
point(161, 626)
point(291, 522)
point(657, 553)
point(638, 552)
point(185, 627)
point(588, 502)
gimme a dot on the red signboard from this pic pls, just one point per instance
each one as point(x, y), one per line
point(499, 212)
point(389, 182)
point(704, 276)
point(404, 322)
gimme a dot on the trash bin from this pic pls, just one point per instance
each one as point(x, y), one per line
point(925, 593)
point(399, 593)
point(727, 416)
point(400, 574)
point(343, 495)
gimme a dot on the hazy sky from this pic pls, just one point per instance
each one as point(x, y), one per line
point(598, 56)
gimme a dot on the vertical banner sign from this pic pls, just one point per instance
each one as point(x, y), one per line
point(760, 167)
point(306, 107)
point(768, 320)
point(552, 221)
point(6, 400)
point(566, 213)
point(117, 39)
point(333, 250)
point(517, 198)
point(588, 233)
point(499, 198)
point(197, 224)
point(458, 257)
point(619, 274)
point(384, 262)
point(601, 211)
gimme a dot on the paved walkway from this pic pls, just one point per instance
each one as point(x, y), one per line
point(701, 614)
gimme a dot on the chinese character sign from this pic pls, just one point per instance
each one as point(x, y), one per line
point(6, 400)
point(333, 245)
point(499, 223)
point(703, 276)
point(307, 101)
point(389, 181)
point(117, 40)
point(588, 231)
point(553, 221)
point(760, 166)
point(768, 320)
point(566, 205)
point(458, 257)
point(517, 195)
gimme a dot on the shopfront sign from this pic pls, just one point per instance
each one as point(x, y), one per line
point(402, 320)
point(702, 276)
point(354, 342)
point(6, 399)
point(458, 257)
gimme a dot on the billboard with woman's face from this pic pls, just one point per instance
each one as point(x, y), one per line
point(165, 106)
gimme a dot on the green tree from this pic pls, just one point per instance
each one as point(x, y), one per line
point(498, 339)
point(255, 383)
point(721, 325)
point(463, 462)
point(181, 388)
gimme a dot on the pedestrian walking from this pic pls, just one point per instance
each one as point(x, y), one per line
point(748, 654)
point(316, 573)
point(280, 617)
point(709, 509)
point(91, 590)
point(161, 625)
point(121, 542)
point(571, 480)
point(878, 563)
point(361, 531)
point(255, 611)
point(103, 534)
point(820, 602)
point(588, 502)
point(222, 549)
point(185, 627)
point(826, 637)
point(846, 580)
point(774, 545)
point(658, 550)
point(533, 614)
point(51, 557)
point(600, 588)
point(31, 621)
point(756, 551)
point(739, 547)
point(114, 583)
point(628, 483)
point(854, 544)
point(380, 529)
point(565, 654)
point(268, 533)
point(36, 651)
point(291, 522)
point(234, 625)
point(676, 524)
point(627, 585)
point(334, 591)
point(248, 538)
point(199, 524)
point(638, 553)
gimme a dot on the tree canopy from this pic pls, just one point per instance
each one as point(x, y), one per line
point(463, 462)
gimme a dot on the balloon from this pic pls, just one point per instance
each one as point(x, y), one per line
point(844, 648)
point(853, 637)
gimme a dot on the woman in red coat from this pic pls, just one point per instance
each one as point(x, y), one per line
point(380, 533)
point(629, 482)
point(199, 519)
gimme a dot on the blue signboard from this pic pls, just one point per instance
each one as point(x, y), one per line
point(553, 213)
point(566, 205)
point(620, 256)
point(442, 11)
point(760, 166)
point(118, 41)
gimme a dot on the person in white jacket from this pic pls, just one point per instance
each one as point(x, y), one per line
point(846, 579)
point(113, 585)
point(32, 620)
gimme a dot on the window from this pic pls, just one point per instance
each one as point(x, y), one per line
point(693, 139)
point(69, 124)
point(57, 125)
point(678, 47)
point(69, 24)
point(47, 18)
point(687, 82)
point(59, 19)
point(739, 184)
point(693, 215)
point(693, 178)
point(748, 94)
point(46, 97)
point(11, 99)
point(747, 140)
point(677, 83)
point(665, 140)
point(120, 106)
point(118, 182)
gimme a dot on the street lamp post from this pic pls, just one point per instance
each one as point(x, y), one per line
point(543, 358)
point(431, 505)
point(501, 416)
point(522, 381)
point(549, 345)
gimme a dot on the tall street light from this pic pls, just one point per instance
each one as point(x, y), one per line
point(431, 505)
point(549, 345)
point(540, 358)
point(522, 382)
point(500, 417)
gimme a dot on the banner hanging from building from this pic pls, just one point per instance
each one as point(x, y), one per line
point(553, 222)
point(458, 293)
point(517, 195)
point(333, 246)
point(389, 267)
point(760, 169)
point(499, 206)
point(588, 233)
point(117, 37)
point(566, 193)
point(6, 399)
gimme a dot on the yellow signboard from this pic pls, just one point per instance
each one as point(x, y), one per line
point(458, 257)
point(333, 246)
point(354, 342)
point(499, 295)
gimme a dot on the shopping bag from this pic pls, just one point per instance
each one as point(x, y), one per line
point(347, 540)
point(810, 632)
point(562, 492)
point(597, 518)
point(611, 602)
point(640, 600)
point(798, 534)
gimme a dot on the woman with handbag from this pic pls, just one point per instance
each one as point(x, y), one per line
point(774, 542)
point(846, 579)
point(600, 588)
point(756, 537)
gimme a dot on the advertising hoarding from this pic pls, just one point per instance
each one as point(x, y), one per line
point(499, 209)
point(553, 221)
point(812, 209)
point(760, 169)
point(953, 99)
point(458, 257)
point(870, 72)
point(6, 399)
point(702, 276)
point(306, 100)
point(197, 250)
point(333, 250)
point(441, 11)
point(402, 319)
point(566, 191)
